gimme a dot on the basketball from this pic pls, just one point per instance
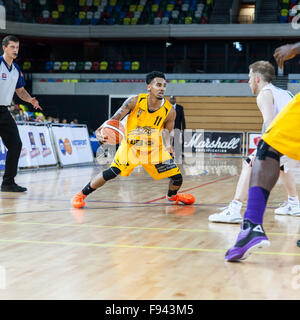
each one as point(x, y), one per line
point(113, 130)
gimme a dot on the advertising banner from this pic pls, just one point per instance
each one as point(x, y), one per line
point(30, 152)
point(72, 144)
point(37, 149)
point(43, 141)
point(201, 141)
point(2, 155)
point(253, 140)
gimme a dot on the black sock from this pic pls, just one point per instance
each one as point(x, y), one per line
point(172, 193)
point(87, 189)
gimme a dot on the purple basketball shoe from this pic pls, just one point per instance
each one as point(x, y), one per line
point(250, 238)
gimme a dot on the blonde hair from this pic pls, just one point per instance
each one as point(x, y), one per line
point(265, 69)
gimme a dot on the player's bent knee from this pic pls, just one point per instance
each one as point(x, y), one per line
point(263, 151)
point(110, 173)
point(176, 180)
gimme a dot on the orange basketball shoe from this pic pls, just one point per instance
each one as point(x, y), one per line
point(185, 198)
point(78, 200)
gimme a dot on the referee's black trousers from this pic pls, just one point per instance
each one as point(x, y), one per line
point(11, 139)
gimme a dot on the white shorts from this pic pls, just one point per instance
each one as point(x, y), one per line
point(286, 163)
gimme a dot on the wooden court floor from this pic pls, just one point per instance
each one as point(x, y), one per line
point(130, 243)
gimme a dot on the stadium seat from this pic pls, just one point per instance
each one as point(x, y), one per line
point(157, 20)
point(89, 15)
point(61, 8)
point(119, 66)
point(79, 66)
point(55, 14)
point(26, 66)
point(126, 21)
point(137, 14)
point(72, 66)
point(188, 20)
point(57, 65)
point(140, 8)
point(64, 66)
point(46, 14)
point(88, 66)
point(170, 7)
point(103, 65)
point(49, 66)
point(81, 15)
point(132, 8)
point(127, 66)
point(175, 14)
point(135, 65)
point(165, 20)
point(95, 66)
point(134, 20)
point(97, 14)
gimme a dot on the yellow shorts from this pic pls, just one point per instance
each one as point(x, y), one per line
point(158, 164)
point(283, 134)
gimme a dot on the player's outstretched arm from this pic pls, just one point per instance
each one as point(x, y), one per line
point(25, 96)
point(286, 52)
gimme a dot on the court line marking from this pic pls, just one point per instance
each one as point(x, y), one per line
point(133, 228)
point(200, 186)
point(110, 245)
point(88, 209)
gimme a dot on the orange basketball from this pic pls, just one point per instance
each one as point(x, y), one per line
point(113, 130)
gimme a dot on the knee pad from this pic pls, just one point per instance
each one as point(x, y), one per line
point(177, 180)
point(263, 151)
point(110, 173)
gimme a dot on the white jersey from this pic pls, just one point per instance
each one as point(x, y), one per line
point(281, 97)
point(11, 78)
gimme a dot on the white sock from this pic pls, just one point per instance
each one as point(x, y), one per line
point(237, 205)
point(293, 200)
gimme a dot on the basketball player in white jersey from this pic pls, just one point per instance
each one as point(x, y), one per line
point(270, 101)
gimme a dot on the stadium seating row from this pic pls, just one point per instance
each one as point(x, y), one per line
point(110, 12)
point(95, 66)
point(289, 9)
point(140, 80)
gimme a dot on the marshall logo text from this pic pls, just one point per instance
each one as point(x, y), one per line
point(213, 142)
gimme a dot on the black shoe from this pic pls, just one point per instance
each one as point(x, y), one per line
point(12, 188)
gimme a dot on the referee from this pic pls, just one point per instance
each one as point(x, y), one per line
point(11, 81)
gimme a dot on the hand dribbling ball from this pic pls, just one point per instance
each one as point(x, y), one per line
point(112, 131)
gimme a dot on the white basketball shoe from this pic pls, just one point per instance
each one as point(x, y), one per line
point(230, 214)
point(288, 208)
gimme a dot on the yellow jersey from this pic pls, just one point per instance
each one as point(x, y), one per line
point(143, 128)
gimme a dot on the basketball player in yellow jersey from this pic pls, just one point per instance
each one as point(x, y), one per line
point(149, 115)
point(282, 137)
